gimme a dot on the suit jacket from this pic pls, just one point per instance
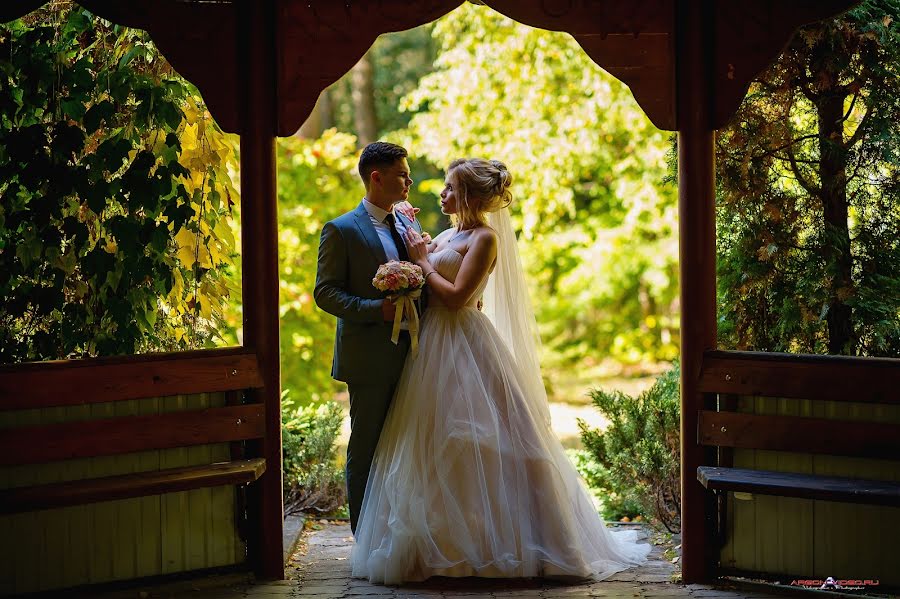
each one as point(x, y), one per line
point(350, 253)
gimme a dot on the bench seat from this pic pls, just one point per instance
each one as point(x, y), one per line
point(806, 486)
point(125, 486)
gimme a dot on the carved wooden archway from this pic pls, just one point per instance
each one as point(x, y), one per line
point(261, 64)
point(320, 40)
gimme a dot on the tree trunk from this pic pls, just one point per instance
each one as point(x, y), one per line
point(312, 126)
point(326, 110)
point(839, 260)
point(362, 82)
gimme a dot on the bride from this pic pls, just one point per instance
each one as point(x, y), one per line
point(468, 477)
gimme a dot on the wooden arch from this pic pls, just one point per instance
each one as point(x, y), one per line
point(261, 64)
point(317, 41)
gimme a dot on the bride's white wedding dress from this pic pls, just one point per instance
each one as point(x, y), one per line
point(468, 477)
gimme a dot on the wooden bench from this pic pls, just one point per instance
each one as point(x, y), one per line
point(813, 378)
point(81, 382)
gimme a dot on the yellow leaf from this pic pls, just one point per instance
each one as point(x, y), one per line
point(205, 307)
point(189, 138)
point(177, 286)
point(188, 242)
point(224, 233)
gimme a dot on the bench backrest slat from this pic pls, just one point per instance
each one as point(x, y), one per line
point(97, 380)
point(126, 434)
point(804, 435)
point(833, 378)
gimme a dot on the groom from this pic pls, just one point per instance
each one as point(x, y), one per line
point(351, 249)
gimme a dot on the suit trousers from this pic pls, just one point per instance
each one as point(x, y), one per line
point(368, 408)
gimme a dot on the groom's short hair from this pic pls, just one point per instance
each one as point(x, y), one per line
point(378, 154)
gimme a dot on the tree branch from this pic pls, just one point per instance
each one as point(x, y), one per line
point(811, 189)
point(857, 135)
point(787, 145)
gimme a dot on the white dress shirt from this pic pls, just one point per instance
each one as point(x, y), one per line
point(377, 216)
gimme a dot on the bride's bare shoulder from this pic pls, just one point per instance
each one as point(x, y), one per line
point(485, 235)
point(484, 241)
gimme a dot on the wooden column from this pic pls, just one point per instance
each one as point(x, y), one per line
point(259, 246)
point(697, 257)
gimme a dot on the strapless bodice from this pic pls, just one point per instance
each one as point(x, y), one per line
point(447, 262)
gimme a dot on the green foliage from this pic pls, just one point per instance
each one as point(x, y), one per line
point(614, 505)
point(808, 199)
point(399, 60)
point(312, 479)
point(636, 459)
point(105, 155)
point(317, 181)
point(598, 226)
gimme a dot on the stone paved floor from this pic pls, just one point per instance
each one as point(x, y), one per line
point(320, 569)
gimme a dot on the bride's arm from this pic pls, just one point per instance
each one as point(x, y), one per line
point(476, 264)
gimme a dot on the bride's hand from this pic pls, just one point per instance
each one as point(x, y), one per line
point(416, 247)
point(406, 209)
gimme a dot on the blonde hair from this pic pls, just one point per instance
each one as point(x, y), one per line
point(481, 186)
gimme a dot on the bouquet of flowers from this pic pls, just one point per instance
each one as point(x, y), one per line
point(403, 282)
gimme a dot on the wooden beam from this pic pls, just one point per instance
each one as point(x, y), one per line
point(96, 380)
point(127, 434)
point(697, 265)
point(833, 378)
point(259, 240)
point(804, 486)
point(803, 435)
point(125, 486)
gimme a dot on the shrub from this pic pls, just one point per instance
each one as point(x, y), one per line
point(313, 481)
point(636, 460)
point(613, 505)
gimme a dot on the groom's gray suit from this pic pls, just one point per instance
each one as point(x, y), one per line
point(350, 253)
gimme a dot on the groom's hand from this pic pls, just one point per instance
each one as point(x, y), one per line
point(388, 309)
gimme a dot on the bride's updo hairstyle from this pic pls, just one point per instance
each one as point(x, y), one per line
point(481, 186)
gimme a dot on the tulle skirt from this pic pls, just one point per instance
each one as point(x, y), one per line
point(468, 477)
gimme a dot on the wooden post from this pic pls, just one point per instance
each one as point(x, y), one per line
point(697, 257)
point(259, 243)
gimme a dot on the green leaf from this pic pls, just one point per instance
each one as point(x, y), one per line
point(99, 112)
point(73, 108)
point(170, 114)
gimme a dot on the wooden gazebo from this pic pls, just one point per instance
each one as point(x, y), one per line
point(260, 66)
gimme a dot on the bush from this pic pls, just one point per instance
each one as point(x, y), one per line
point(636, 460)
point(613, 506)
point(313, 481)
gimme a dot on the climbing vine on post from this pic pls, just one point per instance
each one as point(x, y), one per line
point(115, 195)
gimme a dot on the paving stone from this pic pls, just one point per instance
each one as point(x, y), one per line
point(368, 590)
point(315, 590)
point(667, 590)
point(261, 592)
point(653, 578)
point(205, 594)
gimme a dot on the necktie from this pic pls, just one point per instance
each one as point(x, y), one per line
point(398, 241)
